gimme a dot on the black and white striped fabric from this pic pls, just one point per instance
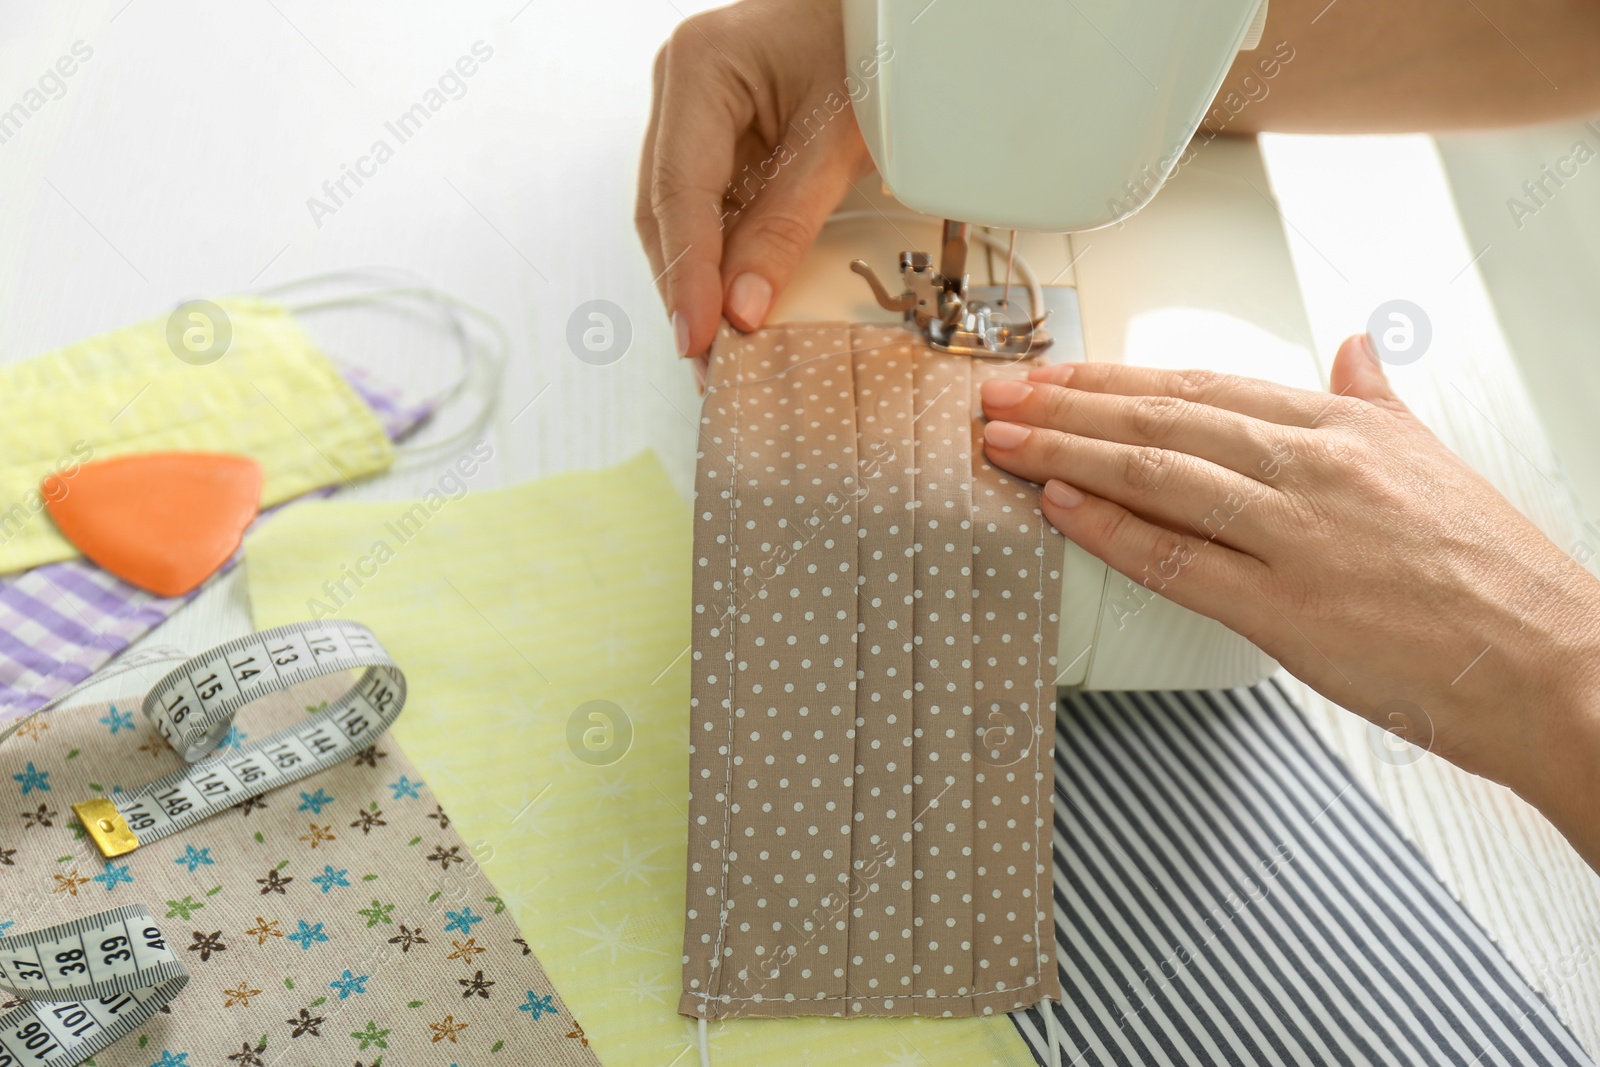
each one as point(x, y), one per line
point(1226, 893)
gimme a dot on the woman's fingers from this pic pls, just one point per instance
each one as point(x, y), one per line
point(644, 211)
point(1240, 443)
point(1197, 573)
point(1176, 490)
point(1258, 399)
point(780, 203)
point(752, 142)
point(703, 109)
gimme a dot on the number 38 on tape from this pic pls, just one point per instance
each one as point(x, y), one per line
point(82, 985)
point(193, 707)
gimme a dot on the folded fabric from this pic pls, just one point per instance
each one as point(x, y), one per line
point(61, 622)
point(339, 919)
point(1226, 893)
point(545, 630)
point(270, 394)
point(874, 656)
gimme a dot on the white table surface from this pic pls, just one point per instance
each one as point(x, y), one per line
point(179, 161)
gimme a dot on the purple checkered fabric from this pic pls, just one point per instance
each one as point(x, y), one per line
point(61, 622)
point(398, 415)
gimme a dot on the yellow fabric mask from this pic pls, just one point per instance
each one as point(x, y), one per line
point(249, 382)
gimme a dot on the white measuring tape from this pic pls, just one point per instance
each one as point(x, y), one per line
point(84, 984)
point(193, 708)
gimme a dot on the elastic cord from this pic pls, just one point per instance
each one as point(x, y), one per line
point(483, 350)
point(705, 1044)
point(1052, 1030)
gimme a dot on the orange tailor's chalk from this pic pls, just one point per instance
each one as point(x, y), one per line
point(164, 521)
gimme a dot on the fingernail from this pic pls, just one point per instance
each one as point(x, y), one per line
point(1005, 435)
point(680, 333)
point(1369, 347)
point(1061, 494)
point(1005, 392)
point(699, 365)
point(748, 299)
point(1056, 373)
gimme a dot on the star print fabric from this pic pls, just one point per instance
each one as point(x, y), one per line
point(873, 673)
point(336, 920)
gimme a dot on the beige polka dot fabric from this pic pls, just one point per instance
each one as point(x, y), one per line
point(874, 637)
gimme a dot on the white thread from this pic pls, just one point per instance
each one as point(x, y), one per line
point(714, 973)
point(978, 996)
point(1047, 965)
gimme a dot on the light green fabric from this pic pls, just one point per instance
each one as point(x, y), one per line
point(510, 611)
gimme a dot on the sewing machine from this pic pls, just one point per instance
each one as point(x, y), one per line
point(1109, 114)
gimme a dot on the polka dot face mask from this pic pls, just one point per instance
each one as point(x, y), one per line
point(873, 663)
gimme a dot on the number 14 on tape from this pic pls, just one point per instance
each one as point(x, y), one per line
point(194, 706)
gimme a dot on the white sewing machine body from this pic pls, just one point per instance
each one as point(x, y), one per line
point(1037, 114)
point(1099, 138)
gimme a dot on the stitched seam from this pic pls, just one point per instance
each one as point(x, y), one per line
point(716, 959)
point(979, 995)
point(715, 973)
point(1047, 827)
point(859, 549)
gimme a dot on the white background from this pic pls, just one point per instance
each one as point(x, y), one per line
point(180, 159)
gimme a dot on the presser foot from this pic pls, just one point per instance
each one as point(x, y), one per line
point(938, 304)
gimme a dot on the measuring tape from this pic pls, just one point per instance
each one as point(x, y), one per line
point(193, 707)
point(84, 984)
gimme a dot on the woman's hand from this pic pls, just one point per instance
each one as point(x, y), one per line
point(752, 140)
point(1339, 535)
point(751, 145)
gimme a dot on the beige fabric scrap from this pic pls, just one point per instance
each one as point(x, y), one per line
point(339, 919)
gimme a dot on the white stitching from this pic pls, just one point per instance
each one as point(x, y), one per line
point(714, 973)
point(976, 996)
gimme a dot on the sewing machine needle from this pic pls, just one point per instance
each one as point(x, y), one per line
point(1011, 254)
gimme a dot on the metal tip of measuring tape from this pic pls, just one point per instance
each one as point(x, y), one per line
point(106, 827)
